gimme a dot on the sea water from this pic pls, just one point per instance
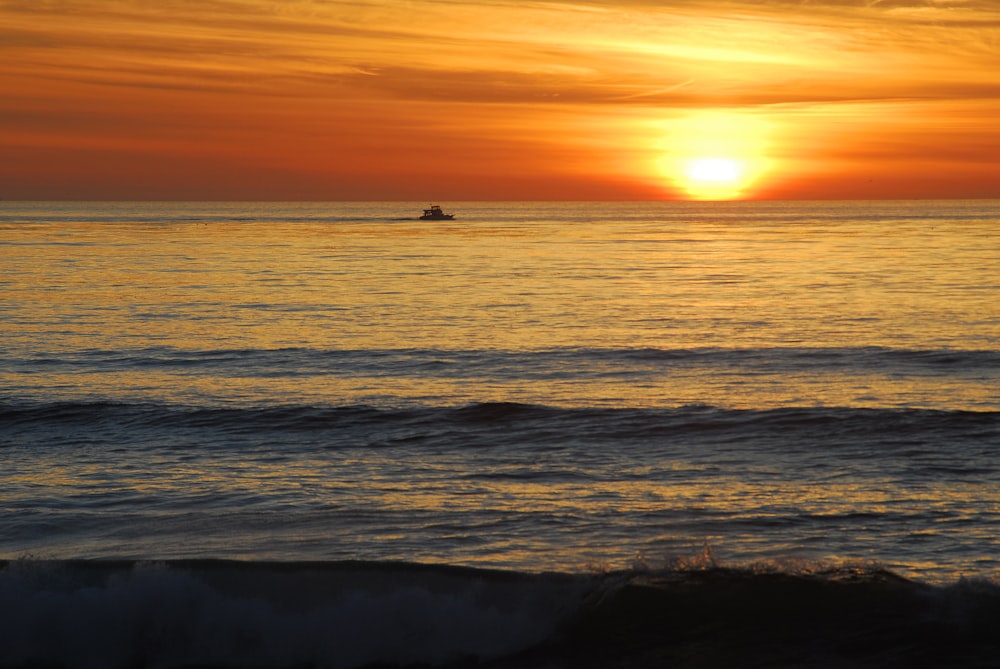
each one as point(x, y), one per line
point(210, 404)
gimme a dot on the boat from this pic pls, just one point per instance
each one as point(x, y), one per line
point(435, 214)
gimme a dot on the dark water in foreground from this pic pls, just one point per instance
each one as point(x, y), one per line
point(244, 614)
point(538, 435)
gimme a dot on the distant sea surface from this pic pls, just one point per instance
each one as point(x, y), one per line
point(232, 421)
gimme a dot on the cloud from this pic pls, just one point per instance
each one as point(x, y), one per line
point(506, 52)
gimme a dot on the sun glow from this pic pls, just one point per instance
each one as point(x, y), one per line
point(715, 156)
point(716, 170)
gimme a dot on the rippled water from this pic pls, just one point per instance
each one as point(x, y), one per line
point(530, 386)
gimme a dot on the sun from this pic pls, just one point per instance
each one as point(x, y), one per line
point(714, 155)
point(715, 178)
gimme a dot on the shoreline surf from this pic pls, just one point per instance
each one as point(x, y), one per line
point(351, 614)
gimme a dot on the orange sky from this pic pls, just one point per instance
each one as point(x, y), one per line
point(498, 99)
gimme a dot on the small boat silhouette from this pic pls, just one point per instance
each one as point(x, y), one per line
point(435, 214)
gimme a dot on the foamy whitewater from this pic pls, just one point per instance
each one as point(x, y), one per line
point(538, 435)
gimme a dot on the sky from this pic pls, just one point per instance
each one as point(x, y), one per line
point(445, 100)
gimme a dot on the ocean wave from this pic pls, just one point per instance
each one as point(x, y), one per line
point(511, 424)
point(544, 363)
point(231, 614)
point(756, 378)
point(118, 614)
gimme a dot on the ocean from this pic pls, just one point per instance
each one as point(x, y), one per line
point(537, 435)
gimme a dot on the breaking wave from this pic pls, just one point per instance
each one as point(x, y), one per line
point(123, 614)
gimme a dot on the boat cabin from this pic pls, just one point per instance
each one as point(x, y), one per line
point(436, 214)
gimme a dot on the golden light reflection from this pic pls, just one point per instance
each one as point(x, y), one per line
point(715, 155)
point(331, 287)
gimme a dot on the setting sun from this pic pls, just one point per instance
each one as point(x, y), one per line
point(715, 170)
point(714, 178)
point(714, 155)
